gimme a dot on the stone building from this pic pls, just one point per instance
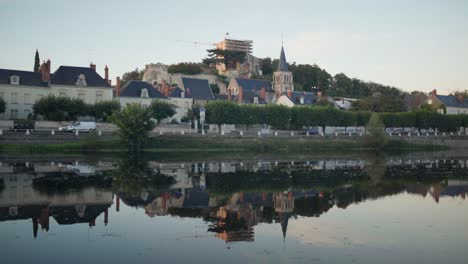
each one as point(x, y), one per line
point(282, 77)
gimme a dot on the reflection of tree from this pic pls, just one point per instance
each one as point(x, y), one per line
point(376, 167)
point(134, 177)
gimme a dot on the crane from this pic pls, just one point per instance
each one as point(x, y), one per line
point(197, 43)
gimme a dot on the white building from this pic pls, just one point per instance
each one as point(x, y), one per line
point(20, 89)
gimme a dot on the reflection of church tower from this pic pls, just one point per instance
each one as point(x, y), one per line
point(282, 77)
point(284, 206)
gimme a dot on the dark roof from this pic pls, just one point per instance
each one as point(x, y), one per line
point(309, 98)
point(27, 78)
point(177, 92)
point(451, 101)
point(67, 215)
point(256, 85)
point(282, 64)
point(133, 89)
point(68, 75)
point(196, 198)
point(248, 98)
point(199, 88)
point(220, 97)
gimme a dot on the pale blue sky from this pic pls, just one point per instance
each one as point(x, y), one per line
point(413, 45)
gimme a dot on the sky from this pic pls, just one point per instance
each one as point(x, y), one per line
point(410, 44)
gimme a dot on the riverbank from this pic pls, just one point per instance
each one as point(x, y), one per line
point(187, 144)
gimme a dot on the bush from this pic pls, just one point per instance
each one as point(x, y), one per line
point(102, 110)
point(161, 110)
point(376, 137)
point(60, 108)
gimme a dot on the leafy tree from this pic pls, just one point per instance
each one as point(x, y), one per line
point(267, 67)
point(309, 76)
point(230, 58)
point(134, 123)
point(161, 110)
point(380, 104)
point(2, 105)
point(60, 108)
point(135, 75)
point(222, 112)
point(376, 137)
point(36, 61)
point(188, 68)
point(103, 110)
point(463, 93)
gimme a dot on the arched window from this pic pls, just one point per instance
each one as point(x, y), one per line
point(144, 93)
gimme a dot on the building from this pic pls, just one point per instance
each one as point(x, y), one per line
point(291, 98)
point(282, 77)
point(251, 88)
point(453, 104)
point(198, 89)
point(235, 44)
point(20, 89)
point(251, 64)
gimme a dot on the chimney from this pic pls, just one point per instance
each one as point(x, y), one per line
point(166, 90)
point(319, 95)
point(240, 96)
point(460, 98)
point(106, 74)
point(263, 93)
point(187, 92)
point(229, 95)
point(45, 70)
point(289, 93)
point(434, 92)
point(92, 66)
point(117, 87)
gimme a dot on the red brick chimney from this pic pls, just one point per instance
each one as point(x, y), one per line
point(289, 93)
point(92, 66)
point(434, 92)
point(460, 98)
point(106, 74)
point(240, 96)
point(229, 95)
point(45, 70)
point(263, 93)
point(117, 87)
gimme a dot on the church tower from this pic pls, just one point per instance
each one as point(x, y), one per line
point(282, 77)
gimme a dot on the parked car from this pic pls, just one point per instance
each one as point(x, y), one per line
point(22, 125)
point(79, 126)
point(311, 130)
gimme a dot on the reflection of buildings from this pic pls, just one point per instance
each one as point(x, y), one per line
point(20, 199)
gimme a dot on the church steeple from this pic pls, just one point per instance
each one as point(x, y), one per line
point(282, 64)
point(282, 77)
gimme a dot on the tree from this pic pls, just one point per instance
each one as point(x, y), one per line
point(103, 110)
point(134, 123)
point(161, 110)
point(2, 105)
point(36, 61)
point(229, 58)
point(188, 68)
point(376, 137)
point(135, 75)
point(267, 67)
point(60, 108)
point(214, 88)
point(463, 93)
point(380, 104)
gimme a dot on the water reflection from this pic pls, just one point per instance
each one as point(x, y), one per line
point(232, 197)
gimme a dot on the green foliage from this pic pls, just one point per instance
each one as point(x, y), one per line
point(230, 58)
point(277, 116)
point(193, 113)
point(161, 110)
point(214, 88)
point(135, 75)
point(376, 137)
point(104, 109)
point(2, 105)
point(309, 76)
point(222, 112)
point(188, 68)
point(267, 66)
point(36, 61)
point(380, 104)
point(60, 108)
point(134, 123)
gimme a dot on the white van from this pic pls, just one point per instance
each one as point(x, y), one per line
point(80, 127)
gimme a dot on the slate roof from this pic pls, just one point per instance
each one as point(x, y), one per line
point(248, 98)
point(177, 92)
point(133, 89)
point(27, 78)
point(451, 101)
point(68, 75)
point(282, 64)
point(309, 98)
point(220, 97)
point(199, 88)
point(256, 85)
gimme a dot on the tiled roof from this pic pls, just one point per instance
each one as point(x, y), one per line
point(451, 101)
point(27, 78)
point(255, 85)
point(309, 98)
point(68, 75)
point(134, 88)
point(199, 88)
point(248, 98)
point(177, 92)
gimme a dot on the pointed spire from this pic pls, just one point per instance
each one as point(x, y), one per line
point(282, 64)
point(284, 218)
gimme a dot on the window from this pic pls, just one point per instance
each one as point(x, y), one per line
point(14, 114)
point(27, 99)
point(14, 80)
point(429, 101)
point(81, 81)
point(99, 97)
point(14, 98)
point(144, 93)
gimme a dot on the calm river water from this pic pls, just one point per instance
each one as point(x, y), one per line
point(320, 210)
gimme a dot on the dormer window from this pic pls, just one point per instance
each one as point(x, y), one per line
point(144, 93)
point(14, 80)
point(255, 100)
point(81, 81)
point(302, 100)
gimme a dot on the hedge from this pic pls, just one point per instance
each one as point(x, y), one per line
point(282, 117)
